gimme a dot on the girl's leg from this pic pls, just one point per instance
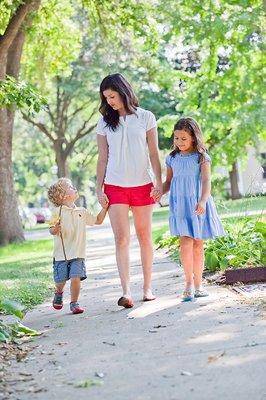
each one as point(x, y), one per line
point(198, 262)
point(186, 256)
point(142, 220)
point(74, 289)
point(118, 214)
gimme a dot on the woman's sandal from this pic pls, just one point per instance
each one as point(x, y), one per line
point(148, 298)
point(125, 302)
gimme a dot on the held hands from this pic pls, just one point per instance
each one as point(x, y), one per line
point(157, 192)
point(103, 199)
point(200, 208)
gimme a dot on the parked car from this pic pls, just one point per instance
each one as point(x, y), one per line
point(28, 218)
point(42, 214)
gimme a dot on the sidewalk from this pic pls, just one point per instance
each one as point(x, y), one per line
point(213, 348)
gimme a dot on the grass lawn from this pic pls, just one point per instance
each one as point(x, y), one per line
point(38, 227)
point(26, 271)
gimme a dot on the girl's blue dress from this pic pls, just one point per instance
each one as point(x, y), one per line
point(185, 192)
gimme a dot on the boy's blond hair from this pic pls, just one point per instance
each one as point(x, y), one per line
point(56, 192)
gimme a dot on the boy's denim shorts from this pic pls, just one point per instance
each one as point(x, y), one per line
point(64, 270)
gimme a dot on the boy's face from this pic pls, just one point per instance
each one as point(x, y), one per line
point(71, 193)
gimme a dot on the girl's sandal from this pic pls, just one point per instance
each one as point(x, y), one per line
point(187, 295)
point(201, 293)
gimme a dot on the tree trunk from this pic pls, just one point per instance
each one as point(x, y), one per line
point(10, 222)
point(61, 160)
point(233, 175)
point(11, 44)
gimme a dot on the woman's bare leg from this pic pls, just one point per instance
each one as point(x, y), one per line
point(118, 214)
point(142, 220)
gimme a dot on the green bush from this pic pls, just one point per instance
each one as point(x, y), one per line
point(243, 245)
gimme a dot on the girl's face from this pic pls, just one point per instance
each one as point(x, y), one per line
point(183, 141)
point(114, 99)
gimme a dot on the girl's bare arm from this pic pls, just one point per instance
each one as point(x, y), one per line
point(168, 179)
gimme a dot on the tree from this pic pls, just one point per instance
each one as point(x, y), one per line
point(215, 50)
point(11, 45)
point(15, 20)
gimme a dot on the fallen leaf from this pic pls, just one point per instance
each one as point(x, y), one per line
point(215, 358)
point(186, 373)
point(88, 383)
point(110, 344)
point(99, 374)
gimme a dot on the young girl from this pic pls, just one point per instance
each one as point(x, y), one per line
point(193, 215)
point(69, 230)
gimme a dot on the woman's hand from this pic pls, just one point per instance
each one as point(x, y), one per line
point(200, 208)
point(102, 199)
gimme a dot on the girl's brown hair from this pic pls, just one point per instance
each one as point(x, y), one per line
point(192, 127)
point(117, 83)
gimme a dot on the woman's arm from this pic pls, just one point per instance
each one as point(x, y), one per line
point(205, 169)
point(168, 179)
point(101, 168)
point(152, 141)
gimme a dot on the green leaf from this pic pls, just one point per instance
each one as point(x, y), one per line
point(22, 330)
point(12, 307)
point(88, 383)
point(211, 261)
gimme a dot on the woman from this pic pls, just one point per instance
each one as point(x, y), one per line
point(127, 139)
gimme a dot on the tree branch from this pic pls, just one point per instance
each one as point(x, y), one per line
point(39, 125)
point(80, 134)
point(15, 23)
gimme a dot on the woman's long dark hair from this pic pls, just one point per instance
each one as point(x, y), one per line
point(191, 126)
point(117, 83)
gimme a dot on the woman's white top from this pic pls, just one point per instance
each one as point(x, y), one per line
point(128, 161)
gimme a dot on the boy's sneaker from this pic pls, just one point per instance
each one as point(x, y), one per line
point(58, 300)
point(75, 308)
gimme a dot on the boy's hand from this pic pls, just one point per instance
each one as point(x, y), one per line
point(200, 208)
point(102, 199)
point(106, 206)
point(56, 229)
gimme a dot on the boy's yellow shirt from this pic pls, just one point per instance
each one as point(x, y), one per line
point(73, 223)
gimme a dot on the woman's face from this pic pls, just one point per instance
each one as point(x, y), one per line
point(183, 140)
point(113, 99)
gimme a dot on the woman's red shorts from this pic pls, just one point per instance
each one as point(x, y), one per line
point(133, 196)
